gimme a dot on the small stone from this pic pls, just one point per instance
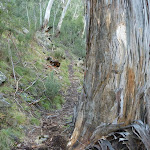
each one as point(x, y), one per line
point(19, 145)
point(3, 102)
point(25, 31)
point(2, 78)
point(60, 77)
point(41, 139)
point(46, 136)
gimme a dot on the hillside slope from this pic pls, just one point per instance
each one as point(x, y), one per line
point(34, 89)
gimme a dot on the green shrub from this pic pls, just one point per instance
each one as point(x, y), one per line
point(7, 138)
point(65, 74)
point(45, 104)
point(59, 54)
point(71, 34)
point(19, 118)
point(34, 121)
point(22, 71)
point(5, 141)
point(26, 97)
point(58, 101)
point(52, 86)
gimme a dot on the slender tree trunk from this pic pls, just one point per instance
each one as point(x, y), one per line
point(35, 19)
point(55, 18)
point(47, 13)
point(40, 12)
point(75, 12)
point(117, 79)
point(84, 21)
point(28, 14)
point(62, 17)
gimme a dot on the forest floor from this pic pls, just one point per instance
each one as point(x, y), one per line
point(56, 126)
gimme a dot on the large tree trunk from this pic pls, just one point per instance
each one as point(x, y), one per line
point(47, 13)
point(117, 81)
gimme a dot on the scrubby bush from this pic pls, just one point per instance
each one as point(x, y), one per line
point(71, 34)
point(5, 140)
point(58, 100)
point(59, 54)
point(52, 86)
point(8, 138)
point(34, 121)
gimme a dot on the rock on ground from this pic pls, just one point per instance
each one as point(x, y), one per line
point(2, 78)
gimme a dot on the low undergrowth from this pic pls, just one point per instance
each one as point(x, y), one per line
point(31, 86)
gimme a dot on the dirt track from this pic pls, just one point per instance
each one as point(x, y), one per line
point(56, 127)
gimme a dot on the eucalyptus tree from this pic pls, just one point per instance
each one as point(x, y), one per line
point(28, 15)
point(40, 4)
point(116, 87)
point(47, 13)
point(62, 17)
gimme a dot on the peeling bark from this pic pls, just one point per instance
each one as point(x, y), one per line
point(117, 81)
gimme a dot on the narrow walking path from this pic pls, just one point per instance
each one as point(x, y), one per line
point(56, 127)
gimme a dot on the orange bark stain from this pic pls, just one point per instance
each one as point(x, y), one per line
point(130, 82)
point(128, 111)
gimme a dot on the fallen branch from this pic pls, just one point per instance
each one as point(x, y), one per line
point(33, 103)
point(30, 85)
point(16, 48)
point(10, 53)
point(53, 68)
point(17, 85)
point(17, 82)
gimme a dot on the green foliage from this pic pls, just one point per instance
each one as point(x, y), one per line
point(64, 73)
point(58, 101)
point(31, 67)
point(52, 86)
point(79, 73)
point(34, 121)
point(20, 118)
point(3, 65)
point(7, 89)
point(59, 54)
point(46, 104)
point(22, 71)
point(8, 137)
point(37, 89)
point(5, 140)
point(71, 34)
point(27, 98)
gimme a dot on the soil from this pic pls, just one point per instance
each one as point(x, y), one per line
point(57, 126)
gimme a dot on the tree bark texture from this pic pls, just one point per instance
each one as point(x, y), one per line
point(117, 79)
point(47, 13)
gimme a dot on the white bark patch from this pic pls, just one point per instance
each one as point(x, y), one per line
point(108, 19)
point(121, 34)
point(122, 41)
point(121, 104)
point(76, 131)
point(47, 13)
